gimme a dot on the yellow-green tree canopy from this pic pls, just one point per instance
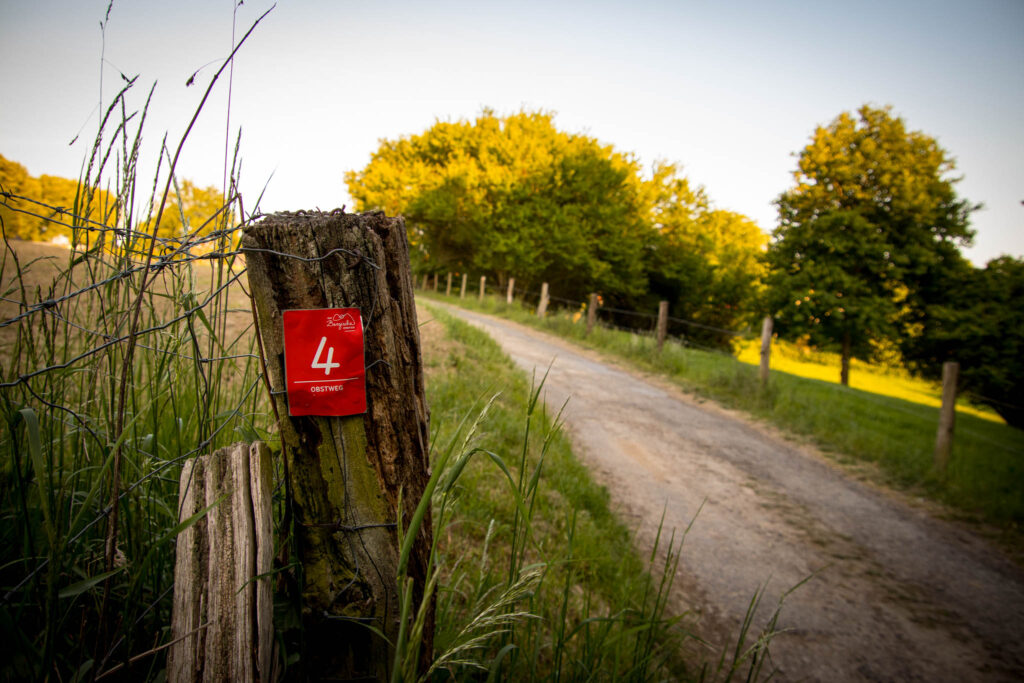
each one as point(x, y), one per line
point(514, 196)
point(55, 204)
point(869, 234)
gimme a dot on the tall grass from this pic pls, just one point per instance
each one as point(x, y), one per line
point(121, 357)
point(985, 479)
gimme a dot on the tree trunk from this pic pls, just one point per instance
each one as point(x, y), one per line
point(347, 474)
point(844, 372)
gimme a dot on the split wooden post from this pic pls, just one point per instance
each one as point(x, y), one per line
point(766, 348)
point(662, 323)
point(947, 416)
point(435, 282)
point(462, 292)
point(483, 283)
point(511, 288)
point(448, 289)
point(222, 616)
point(347, 475)
point(591, 312)
point(542, 305)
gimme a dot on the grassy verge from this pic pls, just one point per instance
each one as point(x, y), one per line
point(985, 480)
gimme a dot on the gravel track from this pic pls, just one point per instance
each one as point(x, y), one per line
point(894, 595)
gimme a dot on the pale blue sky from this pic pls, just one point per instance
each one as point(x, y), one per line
point(730, 90)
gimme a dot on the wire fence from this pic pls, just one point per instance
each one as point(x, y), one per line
point(124, 355)
point(679, 330)
point(616, 318)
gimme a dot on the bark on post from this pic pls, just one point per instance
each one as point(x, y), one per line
point(947, 416)
point(542, 305)
point(591, 313)
point(483, 283)
point(462, 292)
point(511, 288)
point(766, 348)
point(448, 289)
point(662, 323)
point(346, 473)
point(222, 618)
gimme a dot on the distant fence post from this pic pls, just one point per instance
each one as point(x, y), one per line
point(462, 292)
point(424, 287)
point(766, 348)
point(448, 289)
point(435, 282)
point(662, 323)
point(483, 284)
point(511, 288)
point(591, 312)
point(352, 476)
point(222, 615)
point(542, 305)
point(947, 416)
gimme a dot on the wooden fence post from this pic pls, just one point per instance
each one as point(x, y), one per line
point(483, 282)
point(591, 312)
point(662, 323)
point(947, 416)
point(542, 305)
point(511, 288)
point(448, 289)
point(424, 287)
point(462, 293)
point(766, 348)
point(347, 475)
point(222, 615)
point(435, 282)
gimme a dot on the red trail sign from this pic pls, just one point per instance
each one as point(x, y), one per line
point(324, 368)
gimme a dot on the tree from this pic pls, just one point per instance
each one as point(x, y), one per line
point(706, 262)
point(515, 197)
point(870, 229)
point(191, 209)
point(512, 196)
point(980, 325)
point(58, 203)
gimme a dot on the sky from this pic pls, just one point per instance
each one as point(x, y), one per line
point(730, 90)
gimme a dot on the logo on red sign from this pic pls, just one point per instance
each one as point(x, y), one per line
point(323, 362)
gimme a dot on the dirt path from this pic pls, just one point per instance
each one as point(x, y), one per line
point(896, 595)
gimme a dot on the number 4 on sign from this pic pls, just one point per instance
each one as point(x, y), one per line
point(317, 365)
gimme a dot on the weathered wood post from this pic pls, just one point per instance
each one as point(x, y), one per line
point(448, 289)
point(662, 323)
point(222, 618)
point(542, 305)
point(766, 348)
point(483, 283)
point(511, 288)
point(435, 282)
point(947, 415)
point(424, 287)
point(591, 312)
point(346, 475)
point(462, 292)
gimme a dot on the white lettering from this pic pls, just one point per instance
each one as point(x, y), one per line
point(330, 357)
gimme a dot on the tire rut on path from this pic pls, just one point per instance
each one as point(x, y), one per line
point(894, 594)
